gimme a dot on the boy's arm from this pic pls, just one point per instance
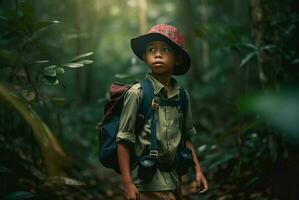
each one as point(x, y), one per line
point(124, 161)
point(189, 132)
point(126, 138)
point(123, 151)
point(200, 179)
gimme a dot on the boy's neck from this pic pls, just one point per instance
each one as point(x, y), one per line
point(164, 80)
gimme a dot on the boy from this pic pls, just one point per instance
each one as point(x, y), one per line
point(162, 50)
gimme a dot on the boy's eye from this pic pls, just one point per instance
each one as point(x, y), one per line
point(166, 49)
point(151, 49)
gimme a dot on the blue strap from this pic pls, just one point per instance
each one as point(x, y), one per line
point(147, 111)
point(154, 144)
point(183, 105)
point(146, 99)
point(169, 103)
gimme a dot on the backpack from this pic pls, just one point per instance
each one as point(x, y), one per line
point(108, 127)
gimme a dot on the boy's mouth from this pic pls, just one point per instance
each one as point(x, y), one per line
point(158, 63)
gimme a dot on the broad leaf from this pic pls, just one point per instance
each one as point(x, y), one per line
point(7, 57)
point(59, 70)
point(55, 157)
point(60, 180)
point(50, 67)
point(40, 62)
point(48, 80)
point(267, 47)
point(249, 45)
point(281, 110)
point(40, 25)
point(50, 71)
point(81, 56)
point(4, 169)
point(85, 62)
point(72, 65)
point(20, 195)
point(247, 58)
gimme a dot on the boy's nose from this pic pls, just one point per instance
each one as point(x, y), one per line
point(158, 53)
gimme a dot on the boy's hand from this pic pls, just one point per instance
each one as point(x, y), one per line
point(130, 191)
point(201, 182)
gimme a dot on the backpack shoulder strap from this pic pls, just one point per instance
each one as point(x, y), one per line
point(183, 100)
point(144, 109)
point(148, 111)
point(147, 97)
point(184, 106)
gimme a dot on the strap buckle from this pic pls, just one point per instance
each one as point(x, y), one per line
point(155, 104)
point(153, 153)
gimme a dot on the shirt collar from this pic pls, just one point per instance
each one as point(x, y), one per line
point(159, 88)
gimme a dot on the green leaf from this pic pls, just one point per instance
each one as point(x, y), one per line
point(247, 58)
point(4, 169)
point(295, 61)
point(122, 76)
point(53, 154)
point(81, 56)
point(50, 67)
point(40, 62)
point(72, 65)
point(249, 45)
point(58, 101)
point(40, 25)
point(48, 80)
point(50, 71)
point(20, 195)
point(281, 110)
point(268, 47)
point(85, 62)
point(4, 18)
point(224, 159)
point(251, 182)
point(8, 14)
point(60, 180)
point(59, 70)
point(7, 57)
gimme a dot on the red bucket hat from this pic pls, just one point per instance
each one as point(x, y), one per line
point(169, 34)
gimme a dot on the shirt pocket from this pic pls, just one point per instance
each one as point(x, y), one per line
point(174, 131)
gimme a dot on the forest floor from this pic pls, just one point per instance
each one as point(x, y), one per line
point(105, 184)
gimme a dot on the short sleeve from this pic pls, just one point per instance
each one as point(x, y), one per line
point(189, 126)
point(128, 115)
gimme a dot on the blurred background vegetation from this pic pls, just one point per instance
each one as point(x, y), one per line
point(58, 58)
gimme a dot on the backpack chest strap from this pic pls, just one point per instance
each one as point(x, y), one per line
point(170, 103)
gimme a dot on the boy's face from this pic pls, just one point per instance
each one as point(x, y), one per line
point(160, 57)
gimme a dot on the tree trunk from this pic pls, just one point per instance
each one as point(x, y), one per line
point(205, 44)
point(187, 16)
point(263, 34)
point(142, 7)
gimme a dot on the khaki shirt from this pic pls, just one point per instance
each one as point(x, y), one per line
point(168, 125)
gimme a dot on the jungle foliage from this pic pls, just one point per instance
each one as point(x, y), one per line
point(57, 59)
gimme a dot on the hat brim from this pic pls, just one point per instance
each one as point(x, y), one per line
point(138, 46)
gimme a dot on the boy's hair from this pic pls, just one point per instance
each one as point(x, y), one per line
point(170, 35)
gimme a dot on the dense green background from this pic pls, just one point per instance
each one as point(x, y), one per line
point(58, 58)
